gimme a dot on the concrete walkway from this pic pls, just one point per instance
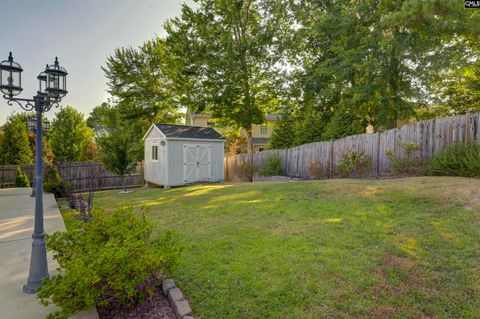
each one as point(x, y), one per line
point(16, 227)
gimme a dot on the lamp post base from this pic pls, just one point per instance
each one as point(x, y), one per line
point(31, 288)
point(38, 265)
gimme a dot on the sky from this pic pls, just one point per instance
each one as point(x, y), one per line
point(82, 33)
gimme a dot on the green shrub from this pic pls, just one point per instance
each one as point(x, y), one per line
point(273, 166)
point(52, 177)
point(21, 179)
point(411, 164)
point(53, 183)
point(354, 164)
point(110, 260)
point(456, 160)
point(246, 171)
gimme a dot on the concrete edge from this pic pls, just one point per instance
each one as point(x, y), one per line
point(177, 301)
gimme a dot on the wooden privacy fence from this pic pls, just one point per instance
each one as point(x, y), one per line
point(432, 136)
point(81, 175)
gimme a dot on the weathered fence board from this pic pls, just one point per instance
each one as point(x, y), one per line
point(432, 136)
point(81, 175)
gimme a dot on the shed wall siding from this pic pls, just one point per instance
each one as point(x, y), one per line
point(154, 170)
point(175, 160)
point(154, 133)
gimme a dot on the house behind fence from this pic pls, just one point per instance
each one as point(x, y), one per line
point(81, 175)
point(431, 136)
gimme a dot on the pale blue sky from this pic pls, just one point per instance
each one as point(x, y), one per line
point(82, 33)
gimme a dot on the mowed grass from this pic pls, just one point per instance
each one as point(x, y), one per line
point(403, 248)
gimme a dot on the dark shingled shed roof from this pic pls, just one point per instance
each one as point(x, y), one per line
point(183, 131)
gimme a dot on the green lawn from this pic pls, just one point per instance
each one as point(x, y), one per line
point(404, 248)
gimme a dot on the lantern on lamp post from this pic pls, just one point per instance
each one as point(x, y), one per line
point(10, 77)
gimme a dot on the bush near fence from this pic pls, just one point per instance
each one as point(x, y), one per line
point(81, 175)
point(432, 136)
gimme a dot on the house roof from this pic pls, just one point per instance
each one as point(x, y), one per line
point(200, 114)
point(260, 140)
point(183, 131)
point(267, 117)
point(273, 116)
point(101, 129)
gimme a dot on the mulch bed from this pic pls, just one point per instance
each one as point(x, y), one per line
point(155, 307)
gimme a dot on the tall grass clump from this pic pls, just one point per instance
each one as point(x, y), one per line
point(456, 160)
point(273, 166)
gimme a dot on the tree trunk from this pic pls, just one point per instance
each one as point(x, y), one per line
point(250, 146)
point(123, 183)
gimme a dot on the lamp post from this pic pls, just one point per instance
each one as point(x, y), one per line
point(52, 88)
point(32, 127)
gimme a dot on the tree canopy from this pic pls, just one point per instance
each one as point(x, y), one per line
point(337, 66)
point(69, 135)
point(118, 152)
point(15, 145)
point(226, 55)
point(373, 62)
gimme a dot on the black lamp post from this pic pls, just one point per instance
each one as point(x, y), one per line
point(52, 88)
point(32, 127)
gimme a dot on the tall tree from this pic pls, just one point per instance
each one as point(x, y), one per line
point(69, 135)
point(118, 152)
point(282, 132)
point(372, 61)
point(226, 57)
point(139, 82)
point(99, 115)
point(15, 145)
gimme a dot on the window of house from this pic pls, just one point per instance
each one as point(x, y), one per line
point(211, 123)
point(155, 152)
point(263, 130)
point(261, 149)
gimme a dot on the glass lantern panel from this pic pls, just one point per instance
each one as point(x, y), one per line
point(53, 81)
point(16, 79)
point(10, 82)
point(5, 77)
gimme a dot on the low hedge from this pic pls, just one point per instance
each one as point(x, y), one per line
point(110, 260)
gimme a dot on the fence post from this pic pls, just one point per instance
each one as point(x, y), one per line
point(378, 154)
point(467, 126)
point(330, 168)
point(286, 162)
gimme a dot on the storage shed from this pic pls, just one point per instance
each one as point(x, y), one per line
point(178, 155)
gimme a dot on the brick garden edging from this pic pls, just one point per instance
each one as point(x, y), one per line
point(175, 297)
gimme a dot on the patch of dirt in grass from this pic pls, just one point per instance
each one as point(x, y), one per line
point(369, 191)
point(469, 195)
point(411, 279)
point(402, 266)
point(394, 261)
point(155, 307)
point(382, 312)
point(387, 312)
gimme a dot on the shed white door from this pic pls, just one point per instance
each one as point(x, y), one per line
point(197, 162)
